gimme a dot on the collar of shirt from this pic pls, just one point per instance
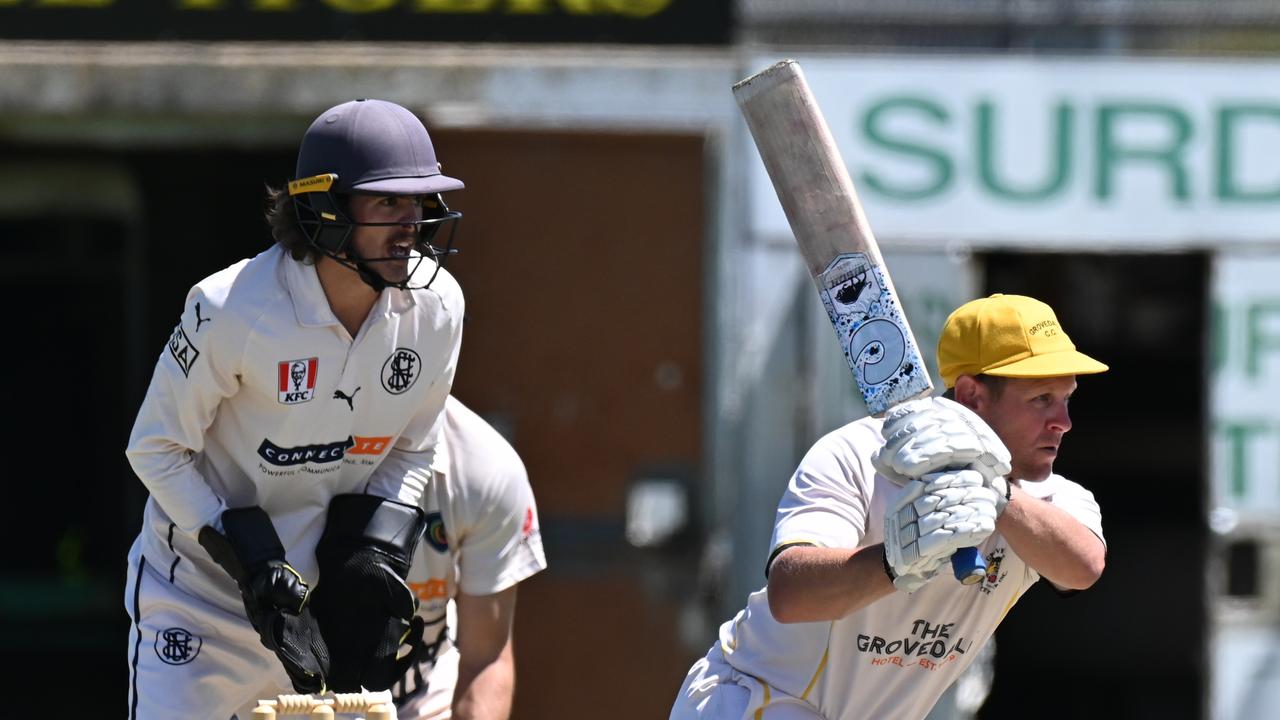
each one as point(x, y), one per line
point(311, 305)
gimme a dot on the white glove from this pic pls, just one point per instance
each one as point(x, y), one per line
point(935, 516)
point(1001, 486)
point(916, 580)
point(931, 434)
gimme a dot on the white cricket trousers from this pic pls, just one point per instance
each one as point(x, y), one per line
point(190, 659)
point(714, 690)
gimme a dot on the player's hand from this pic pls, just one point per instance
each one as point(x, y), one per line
point(917, 579)
point(275, 595)
point(934, 516)
point(931, 434)
point(365, 608)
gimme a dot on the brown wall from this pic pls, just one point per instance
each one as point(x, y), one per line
point(581, 257)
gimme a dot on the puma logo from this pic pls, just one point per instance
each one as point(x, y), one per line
point(339, 395)
point(199, 320)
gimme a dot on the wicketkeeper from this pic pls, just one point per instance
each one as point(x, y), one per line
point(273, 556)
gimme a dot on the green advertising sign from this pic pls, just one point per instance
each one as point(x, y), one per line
point(1069, 152)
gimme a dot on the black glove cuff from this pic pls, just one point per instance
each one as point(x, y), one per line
point(888, 569)
point(252, 535)
point(370, 521)
point(248, 541)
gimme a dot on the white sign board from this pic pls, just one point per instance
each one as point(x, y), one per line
point(1033, 152)
point(1245, 391)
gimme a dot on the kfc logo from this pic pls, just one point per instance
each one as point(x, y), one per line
point(297, 380)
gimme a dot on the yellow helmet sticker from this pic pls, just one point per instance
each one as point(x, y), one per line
point(315, 183)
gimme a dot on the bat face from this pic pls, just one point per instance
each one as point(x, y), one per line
point(872, 331)
point(822, 207)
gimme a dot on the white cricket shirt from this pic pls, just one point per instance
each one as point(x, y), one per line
point(262, 397)
point(894, 658)
point(482, 537)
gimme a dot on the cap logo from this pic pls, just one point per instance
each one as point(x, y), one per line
point(1050, 328)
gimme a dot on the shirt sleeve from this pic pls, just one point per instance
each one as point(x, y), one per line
point(1080, 504)
point(827, 498)
point(500, 540)
point(1076, 501)
point(197, 369)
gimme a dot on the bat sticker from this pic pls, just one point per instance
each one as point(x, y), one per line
point(871, 329)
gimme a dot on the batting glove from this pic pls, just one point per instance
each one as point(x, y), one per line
point(931, 434)
point(933, 517)
point(913, 581)
point(1004, 492)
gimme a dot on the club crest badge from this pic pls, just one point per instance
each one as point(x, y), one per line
point(435, 535)
point(177, 646)
point(297, 380)
point(401, 371)
point(995, 573)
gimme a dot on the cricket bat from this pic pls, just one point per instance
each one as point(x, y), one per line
point(830, 227)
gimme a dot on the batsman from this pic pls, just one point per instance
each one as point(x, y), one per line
point(861, 616)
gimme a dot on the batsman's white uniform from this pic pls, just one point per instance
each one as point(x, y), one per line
point(893, 658)
point(262, 397)
point(482, 537)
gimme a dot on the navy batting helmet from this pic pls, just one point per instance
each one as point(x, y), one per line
point(375, 147)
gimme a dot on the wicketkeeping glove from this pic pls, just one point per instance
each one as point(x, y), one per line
point(365, 608)
point(933, 517)
point(274, 594)
point(931, 434)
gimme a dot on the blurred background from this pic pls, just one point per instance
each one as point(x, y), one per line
point(639, 324)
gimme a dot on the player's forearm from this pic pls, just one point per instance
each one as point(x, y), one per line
point(485, 692)
point(811, 584)
point(1052, 542)
point(171, 478)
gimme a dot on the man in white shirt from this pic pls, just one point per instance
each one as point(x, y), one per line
point(860, 617)
point(289, 378)
point(482, 538)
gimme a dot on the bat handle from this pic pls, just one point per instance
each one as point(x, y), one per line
point(968, 565)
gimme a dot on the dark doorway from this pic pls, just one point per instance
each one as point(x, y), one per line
point(1134, 645)
point(62, 279)
point(94, 294)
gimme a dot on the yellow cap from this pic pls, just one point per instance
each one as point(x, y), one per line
point(1008, 336)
